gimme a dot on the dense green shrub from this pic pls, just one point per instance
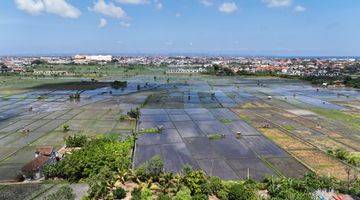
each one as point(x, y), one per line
point(136, 194)
point(183, 194)
point(163, 196)
point(215, 185)
point(119, 193)
point(152, 168)
point(146, 194)
point(100, 183)
point(239, 192)
point(200, 197)
point(196, 181)
point(89, 160)
point(75, 140)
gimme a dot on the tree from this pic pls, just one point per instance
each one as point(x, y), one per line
point(76, 140)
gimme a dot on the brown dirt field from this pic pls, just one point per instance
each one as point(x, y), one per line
point(303, 134)
point(321, 163)
point(283, 140)
point(328, 143)
point(352, 143)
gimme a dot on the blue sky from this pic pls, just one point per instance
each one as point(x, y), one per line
point(242, 27)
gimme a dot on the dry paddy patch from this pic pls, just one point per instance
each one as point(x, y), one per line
point(322, 163)
point(285, 141)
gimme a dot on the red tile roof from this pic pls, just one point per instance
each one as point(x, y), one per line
point(45, 150)
point(35, 164)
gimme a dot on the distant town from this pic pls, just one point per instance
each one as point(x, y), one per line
point(286, 66)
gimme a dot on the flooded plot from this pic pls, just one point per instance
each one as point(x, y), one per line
point(232, 148)
point(289, 167)
point(319, 103)
point(264, 147)
point(223, 113)
point(155, 118)
point(166, 136)
point(56, 114)
point(202, 116)
point(189, 110)
point(153, 112)
point(146, 125)
point(175, 156)
point(179, 118)
point(253, 168)
point(213, 127)
point(188, 129)
point(6, 151)
point(91, 114)
point(22, 156)
point(175, 111)
point(8, 172)
point(219, 168)
point(200, 148)
point(54, 138)
point(242, 127)
point(16, 126)
point(144, 153)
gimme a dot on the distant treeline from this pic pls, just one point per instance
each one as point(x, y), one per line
point(316, 80)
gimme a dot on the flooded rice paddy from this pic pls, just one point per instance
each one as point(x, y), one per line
point(267, 126)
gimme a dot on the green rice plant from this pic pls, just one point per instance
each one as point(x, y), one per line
point(66, 128)
point(288, 127)
point(215, 136)
point(150, 130)
point(123, 118)
point(225, 121)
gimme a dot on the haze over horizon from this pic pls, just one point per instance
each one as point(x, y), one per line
point(238, 27)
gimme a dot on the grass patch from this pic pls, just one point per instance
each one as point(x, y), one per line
point(225, 121)
point(150, 130)
point(288, 127)
point(352, 120)
point(215, 136)
point(245, 118)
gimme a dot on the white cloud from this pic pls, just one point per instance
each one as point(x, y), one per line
point(135, 2)
point(277, 3)
point(206, 2)
point(158, 6)
point(57, 7)
point(125, 25)
point(178, 15)
point(34, 7)
point(109, 9)
point(102, 23)
point(299, 8)
point(228, 7)
point(61, 8)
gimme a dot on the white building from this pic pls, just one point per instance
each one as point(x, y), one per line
point(80, 59)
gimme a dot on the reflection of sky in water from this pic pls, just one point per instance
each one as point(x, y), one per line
point(319, 103)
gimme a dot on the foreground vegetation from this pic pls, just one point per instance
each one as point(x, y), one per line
point(105, 164)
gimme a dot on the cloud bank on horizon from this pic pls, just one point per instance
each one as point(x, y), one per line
point(254, 25)
point(65, 9)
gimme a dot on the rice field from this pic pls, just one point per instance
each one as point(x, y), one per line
point(286, 135)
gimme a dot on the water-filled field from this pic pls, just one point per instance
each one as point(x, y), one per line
point(231, 127)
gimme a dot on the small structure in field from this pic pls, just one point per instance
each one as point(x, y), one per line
point(33, 170)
